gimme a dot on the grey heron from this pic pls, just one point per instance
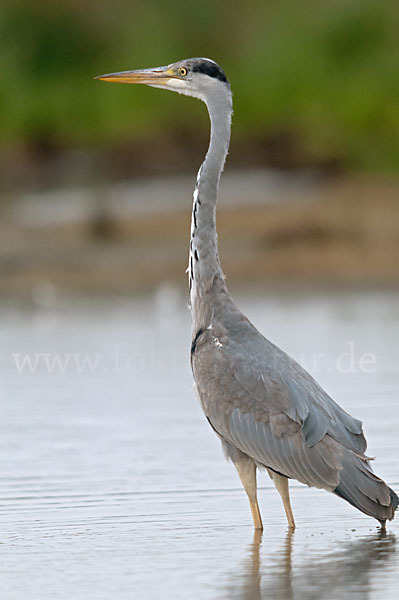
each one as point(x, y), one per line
point(266, 409)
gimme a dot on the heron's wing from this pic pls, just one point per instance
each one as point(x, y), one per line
point(287, 453)
point(263, 402)
point(270, 376)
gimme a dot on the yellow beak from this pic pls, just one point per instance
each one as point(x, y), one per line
point(156, 76)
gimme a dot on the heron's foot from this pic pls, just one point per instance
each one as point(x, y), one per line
point(290, 517)
point(258, 533)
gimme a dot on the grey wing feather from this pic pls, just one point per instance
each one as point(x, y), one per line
point(287, 455)
point(266, 371)
point(264, 403)
point(305, 401)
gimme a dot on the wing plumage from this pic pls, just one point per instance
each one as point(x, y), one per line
point(287, 454)
point(264, 403)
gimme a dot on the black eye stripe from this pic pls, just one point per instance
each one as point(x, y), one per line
point(211, 69)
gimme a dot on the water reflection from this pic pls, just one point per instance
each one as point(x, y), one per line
point(335, 574)
point(252, 574)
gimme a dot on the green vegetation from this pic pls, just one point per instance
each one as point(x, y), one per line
point(325, 74)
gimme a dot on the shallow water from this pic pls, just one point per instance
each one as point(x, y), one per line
point(114, 486)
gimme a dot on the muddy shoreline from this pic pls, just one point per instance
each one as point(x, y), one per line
point(307, 229)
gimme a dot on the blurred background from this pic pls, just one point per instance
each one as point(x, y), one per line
point(111, 479)
point(90, 173)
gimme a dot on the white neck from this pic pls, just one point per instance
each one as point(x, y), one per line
point(205, 271)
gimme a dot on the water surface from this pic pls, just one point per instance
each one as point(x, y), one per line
point(114, 486)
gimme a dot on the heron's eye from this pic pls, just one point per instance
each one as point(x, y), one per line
point(182, 71)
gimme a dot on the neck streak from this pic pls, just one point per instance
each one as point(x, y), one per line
point(204, 266)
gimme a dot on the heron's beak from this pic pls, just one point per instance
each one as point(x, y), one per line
point(158, 76)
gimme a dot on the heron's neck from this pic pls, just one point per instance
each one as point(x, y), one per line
point(205, 272)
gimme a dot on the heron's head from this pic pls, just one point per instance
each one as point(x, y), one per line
point(198, 77)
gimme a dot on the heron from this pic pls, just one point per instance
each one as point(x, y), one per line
point(267, 410)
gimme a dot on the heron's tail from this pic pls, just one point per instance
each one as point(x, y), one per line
point(359, 486)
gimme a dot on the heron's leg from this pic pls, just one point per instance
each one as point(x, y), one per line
point(246, 469)
point(281, 484)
